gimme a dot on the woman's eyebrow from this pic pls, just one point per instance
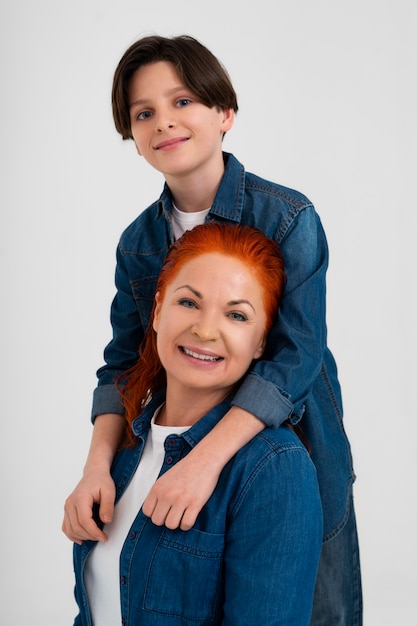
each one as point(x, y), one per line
point(194, 291)
point(237, 302)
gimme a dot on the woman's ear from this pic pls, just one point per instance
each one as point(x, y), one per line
point(260, 350)
point(157, 311)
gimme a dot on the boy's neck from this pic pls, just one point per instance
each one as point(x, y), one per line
point(196, 191)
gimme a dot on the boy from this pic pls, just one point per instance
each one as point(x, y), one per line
point(175, 100)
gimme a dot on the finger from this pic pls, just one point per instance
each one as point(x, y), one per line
point(159, 515)
point(78, 534)
point(149, 504)
point(106, 508)
point(189, 518)
point(174, 517)
point(80, 526)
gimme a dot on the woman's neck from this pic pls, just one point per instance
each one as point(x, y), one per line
point(187, 409)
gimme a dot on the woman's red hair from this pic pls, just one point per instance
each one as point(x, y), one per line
point(245, 243)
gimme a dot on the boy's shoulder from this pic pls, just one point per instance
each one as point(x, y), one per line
point(148, 228)
point(238, 179)
point(255, 183)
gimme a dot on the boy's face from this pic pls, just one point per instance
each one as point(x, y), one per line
point(172, 130)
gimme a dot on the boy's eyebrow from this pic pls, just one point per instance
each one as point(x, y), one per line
point(171, 92)
point(230, 303)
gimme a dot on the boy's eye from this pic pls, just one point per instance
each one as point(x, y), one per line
point(238, 317)
point(183, 102)
point(144, 115)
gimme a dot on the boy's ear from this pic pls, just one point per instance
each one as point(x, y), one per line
point(157, 310)
point(228, 119)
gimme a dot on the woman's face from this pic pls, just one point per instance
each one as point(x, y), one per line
point(210, 324)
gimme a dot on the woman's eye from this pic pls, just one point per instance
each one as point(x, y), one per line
point(238, 317)
point(188, 304)
point(144, 115)
point(183, 102)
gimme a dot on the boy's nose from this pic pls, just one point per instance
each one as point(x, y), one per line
point(165, 121)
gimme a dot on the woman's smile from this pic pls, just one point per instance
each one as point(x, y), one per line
point(199, 355)
point(209, 330)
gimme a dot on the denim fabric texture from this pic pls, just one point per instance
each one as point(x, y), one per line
point(298, 377)
point(252, 555)
point(338, 592)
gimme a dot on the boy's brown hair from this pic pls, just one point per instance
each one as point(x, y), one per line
point(197, 68)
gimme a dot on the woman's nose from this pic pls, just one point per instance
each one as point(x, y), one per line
point(206, 330)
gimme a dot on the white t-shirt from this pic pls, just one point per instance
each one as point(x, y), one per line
point(102, 575)
point(182, 221)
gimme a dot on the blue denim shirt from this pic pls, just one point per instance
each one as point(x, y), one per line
point(252, 555)
point(297, 377)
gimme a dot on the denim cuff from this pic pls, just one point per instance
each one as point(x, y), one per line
point(263, 399)
point(106, 399)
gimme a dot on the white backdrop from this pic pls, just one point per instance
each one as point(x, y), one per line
point(327, 106)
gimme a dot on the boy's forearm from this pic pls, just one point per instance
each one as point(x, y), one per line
point(107, 434)
point(229, 435)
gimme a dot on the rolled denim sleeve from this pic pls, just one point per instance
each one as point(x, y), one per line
point(278, 385)
point(122, 351)
point(262, 398)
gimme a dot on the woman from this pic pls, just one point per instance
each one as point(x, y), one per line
point(252, 554)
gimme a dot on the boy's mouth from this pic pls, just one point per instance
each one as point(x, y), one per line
point(169, 144)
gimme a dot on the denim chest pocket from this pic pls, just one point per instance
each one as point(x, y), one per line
point(144, 293)
point(185, 576)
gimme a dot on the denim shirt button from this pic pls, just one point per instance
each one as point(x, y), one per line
point(169, 460)
point(132, 535)
point(171, 442)
point(122, 580)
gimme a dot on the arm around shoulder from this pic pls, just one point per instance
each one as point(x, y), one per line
point(96, 486)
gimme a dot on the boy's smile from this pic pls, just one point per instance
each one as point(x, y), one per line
point(171, 144)
point(177, 134)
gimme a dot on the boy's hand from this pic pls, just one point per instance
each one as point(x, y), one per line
point(178, 496)
point(93, 488)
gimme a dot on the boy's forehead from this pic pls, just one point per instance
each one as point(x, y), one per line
point(157, 69)
point(157, 75)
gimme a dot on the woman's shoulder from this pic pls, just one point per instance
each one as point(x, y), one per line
point(273, 447)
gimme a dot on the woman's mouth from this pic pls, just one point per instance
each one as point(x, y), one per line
point(200, 355)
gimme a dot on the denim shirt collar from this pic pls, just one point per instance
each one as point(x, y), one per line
point(195, 433)
point(230, 196)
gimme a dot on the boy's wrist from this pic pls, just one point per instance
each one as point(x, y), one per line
point(233, 432)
